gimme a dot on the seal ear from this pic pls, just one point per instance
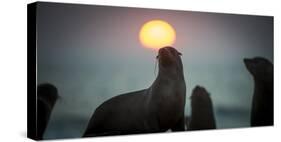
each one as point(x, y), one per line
point(179, 53)
point(157, 56)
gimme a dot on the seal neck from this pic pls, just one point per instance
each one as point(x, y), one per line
point(262, 86)
point(171, 74)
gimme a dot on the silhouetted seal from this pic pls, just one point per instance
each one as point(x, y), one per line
point(202, 115)
point(47, 95)
point(262, 102)
point(156, 109)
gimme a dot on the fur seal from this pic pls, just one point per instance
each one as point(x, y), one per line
point(156, 109)
point(262, 103)
point(47, 95)
point(202, 115)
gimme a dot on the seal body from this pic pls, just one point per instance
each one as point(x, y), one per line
point(156, 109)
point(202, 114)
point(47, 95)
point(262, 103)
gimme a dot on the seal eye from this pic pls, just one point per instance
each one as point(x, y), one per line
point(157, 56)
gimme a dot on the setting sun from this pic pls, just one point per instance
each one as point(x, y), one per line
point(157, 34)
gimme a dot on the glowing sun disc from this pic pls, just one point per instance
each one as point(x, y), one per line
point(156, 34)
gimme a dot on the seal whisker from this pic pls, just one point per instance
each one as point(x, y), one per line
point(155, 66)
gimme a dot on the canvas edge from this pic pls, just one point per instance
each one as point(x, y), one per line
point(31, 71)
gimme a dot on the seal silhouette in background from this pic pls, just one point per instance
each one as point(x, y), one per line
point(156, 109)
point(202, 115)
point(47, 95)
point(262, 102)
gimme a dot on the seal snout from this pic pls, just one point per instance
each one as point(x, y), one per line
point(164, 51)
point(169, 56)
point(199, 90)
point(247, 61)
point(165, 55)
point(168, 52)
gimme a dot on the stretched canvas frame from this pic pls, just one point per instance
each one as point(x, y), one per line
point(80, 57)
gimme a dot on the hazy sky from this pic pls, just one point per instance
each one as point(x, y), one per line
point(92, 53)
